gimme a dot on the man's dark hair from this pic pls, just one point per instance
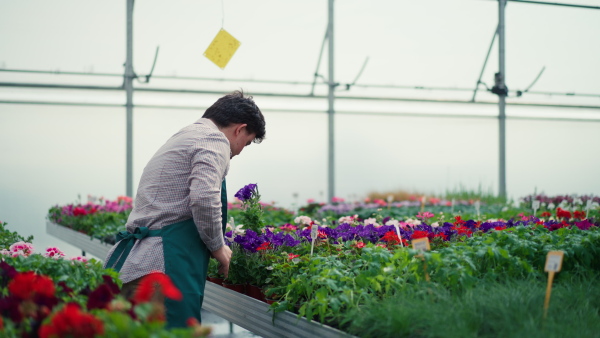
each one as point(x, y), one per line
point(235, 108)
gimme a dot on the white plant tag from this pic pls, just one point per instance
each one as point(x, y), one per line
point(398, 233)
point(554, 261)
point(477, 207)
point(314, 232)
point(452, 209)
point(535, 205)
point(588, 207)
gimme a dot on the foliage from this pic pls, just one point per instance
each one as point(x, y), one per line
point(8, 237)
point(511, 308)
point(251, 216)
point(57, 297)
point(102, 220)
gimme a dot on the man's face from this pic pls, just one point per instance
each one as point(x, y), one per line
point(242, 139)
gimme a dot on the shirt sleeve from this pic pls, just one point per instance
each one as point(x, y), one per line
point(209, 163)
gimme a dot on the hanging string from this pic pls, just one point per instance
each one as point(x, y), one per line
point(222, 13)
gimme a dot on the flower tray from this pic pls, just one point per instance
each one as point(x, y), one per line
point(240, 309)
point(255, 316)
point(82, 241)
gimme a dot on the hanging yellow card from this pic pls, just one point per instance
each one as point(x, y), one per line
point(222, 48)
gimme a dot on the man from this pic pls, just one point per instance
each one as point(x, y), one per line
point(177, 223)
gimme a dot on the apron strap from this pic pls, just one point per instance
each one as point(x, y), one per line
point(126, 241)
point(224, 205)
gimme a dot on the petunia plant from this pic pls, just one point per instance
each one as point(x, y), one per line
point(252, 215)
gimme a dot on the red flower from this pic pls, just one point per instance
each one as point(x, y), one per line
point(26, 284)
point(153, 283)
point(322, 234)
point(79, 211)
point(500, 227)
point(264, 246)
point(459, 221)
point(72, 322)
point(359, 245)
point(442, 235)
point(100, 298)
point(562, 213)
point(461, 230)
point(292, 256)
point(419, 234)
point(546, 214)
point(579, 214)
point(392, 238)
point(557, 226)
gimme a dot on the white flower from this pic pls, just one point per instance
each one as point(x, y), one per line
point(303, 220)
point(578, 201)
point(435, 225)
point(551, 206)
point(387, 269)
point(346, 219)
point(413, 222)
point(372, 221)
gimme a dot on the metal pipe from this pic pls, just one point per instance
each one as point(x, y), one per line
point(128, 83)
point(502, 100)
point(555, 4)
point(331, 111)
point(303, 111)
point(294, 83)
point(487, 56)
point(290, 95)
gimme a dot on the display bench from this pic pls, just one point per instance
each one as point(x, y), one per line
point(235, 307)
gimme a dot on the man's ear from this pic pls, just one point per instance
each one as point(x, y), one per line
point(239, 128)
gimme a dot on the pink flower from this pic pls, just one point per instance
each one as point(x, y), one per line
point(310, 200)
point(337, 199)
point(79, 259)
point(54, 252)
point(24, 249)
point(359, 245)
point(288, 227)
point(425, 215)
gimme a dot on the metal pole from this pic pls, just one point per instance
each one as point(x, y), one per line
point(330, 111)
point(502, 99)
point(128, 82)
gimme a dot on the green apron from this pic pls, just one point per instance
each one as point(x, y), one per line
point(186, 263)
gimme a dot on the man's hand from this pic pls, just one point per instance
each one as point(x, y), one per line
point(223, 256)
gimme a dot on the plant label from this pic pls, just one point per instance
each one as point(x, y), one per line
point(314, 231)
point(588, 207)
point(477, 207)
point(421, 244)
point(554, 261)
point(398, 233)
point(452, 207)
point(535, 205)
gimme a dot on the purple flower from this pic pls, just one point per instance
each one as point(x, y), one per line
point(246, 192)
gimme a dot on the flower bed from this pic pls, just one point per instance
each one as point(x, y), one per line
point(48, 295)
point(358, 261)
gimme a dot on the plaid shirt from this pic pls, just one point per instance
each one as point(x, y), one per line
point(181, 181)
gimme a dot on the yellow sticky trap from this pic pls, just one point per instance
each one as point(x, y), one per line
point(222, 48)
